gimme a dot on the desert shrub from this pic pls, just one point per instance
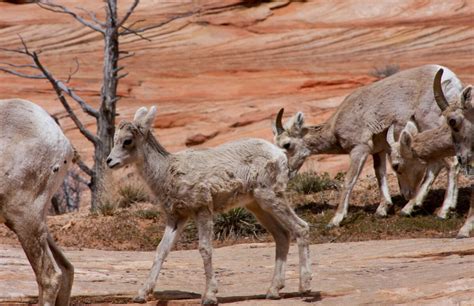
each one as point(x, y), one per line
point(151, 214)
point(384, 71)
point(131, 193)
point(311, 182)
point(236, 223)
point(107, 206)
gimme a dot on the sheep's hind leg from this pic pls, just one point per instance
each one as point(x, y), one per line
point(277, 205)
point(282, 241)
point(205, 227)
point(67, 273)
point(173, 229)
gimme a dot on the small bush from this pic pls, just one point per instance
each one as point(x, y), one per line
point(236, 223)
point(107, 207)
point(151, 214)
point(385, 71)
point(130, 194)
point(311, 182)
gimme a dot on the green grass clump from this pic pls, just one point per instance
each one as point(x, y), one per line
point(236, 223)
point(311, 182)
point(130, 194)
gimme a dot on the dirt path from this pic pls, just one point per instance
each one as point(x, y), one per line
point(434, 271)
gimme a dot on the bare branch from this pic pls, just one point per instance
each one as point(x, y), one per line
point(23, 75)
point(128, 13)
point(92, 16)
point(85, 107)
point(131, 31)
point(71, 73)
point(129, 54)
point(122, 76)
point(57, 8)
point(59, 87)
point(19, 66)
point(85, 168)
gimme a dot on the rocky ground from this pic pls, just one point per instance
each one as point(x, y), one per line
point(413, 272)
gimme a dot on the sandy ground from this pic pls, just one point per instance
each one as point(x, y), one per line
point(413, 271)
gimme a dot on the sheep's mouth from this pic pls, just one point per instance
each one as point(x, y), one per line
point(113, 166)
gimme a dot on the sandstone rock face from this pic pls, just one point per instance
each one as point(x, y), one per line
point(229, 67)
point(416, 271)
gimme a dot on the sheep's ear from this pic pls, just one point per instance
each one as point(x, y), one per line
point(296, 122)
point(149, 118)
point(466, 98)
point(411, 127)
point(139, 115)
point(406, 139)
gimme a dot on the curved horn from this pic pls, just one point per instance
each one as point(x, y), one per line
point(438, 91)
point(278, 123)
point(391, 135)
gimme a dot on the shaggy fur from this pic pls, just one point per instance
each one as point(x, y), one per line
point(459, 114)
point(198, 183)
point(34, 158)
point(359, 127)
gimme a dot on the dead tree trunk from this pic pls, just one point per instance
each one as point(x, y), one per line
point(111, 30)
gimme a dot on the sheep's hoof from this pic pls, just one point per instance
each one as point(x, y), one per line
point(462, 235)
point(405, 213)
point(139, 299)
point(209, 302)
point(273, 296)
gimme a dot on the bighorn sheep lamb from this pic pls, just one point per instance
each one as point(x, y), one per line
point(359, 127)
point(198, 183)
point(459, 115)
point(34, 158)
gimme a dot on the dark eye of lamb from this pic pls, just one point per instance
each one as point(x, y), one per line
point(127, 142)
point(286, 146)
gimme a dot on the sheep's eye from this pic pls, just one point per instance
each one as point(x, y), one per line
point(127, 142)
point(287, 146)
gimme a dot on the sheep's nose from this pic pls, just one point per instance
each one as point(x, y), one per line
point(109, 160)
point(459, 159)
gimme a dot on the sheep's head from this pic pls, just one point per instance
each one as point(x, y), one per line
point(129, 136)
point(290, 138)
point(459, 115)
point(409, 168)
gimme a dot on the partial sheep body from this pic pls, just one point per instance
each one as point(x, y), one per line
point(34, 158)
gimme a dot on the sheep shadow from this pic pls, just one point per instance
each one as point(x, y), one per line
point(167, 297)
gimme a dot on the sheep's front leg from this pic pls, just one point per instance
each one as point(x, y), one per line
point(173, 229)
point(380, 167)
point(358, 157)
point(451, 195)
point(469, 224)
point(205, 227)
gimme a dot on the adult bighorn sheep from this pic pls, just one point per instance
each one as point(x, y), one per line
point(359, 127)
point(34, 158)
point(199, 183)
point(459, 115)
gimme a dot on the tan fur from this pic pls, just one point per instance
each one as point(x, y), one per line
point(34, 157)
point(359, 126)
point(199, 183)
point(460, 118)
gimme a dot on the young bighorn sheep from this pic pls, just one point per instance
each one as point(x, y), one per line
point(414, 150)
point(459, 115)
point(199, 183)
point(34, 158)
point(359, 126)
